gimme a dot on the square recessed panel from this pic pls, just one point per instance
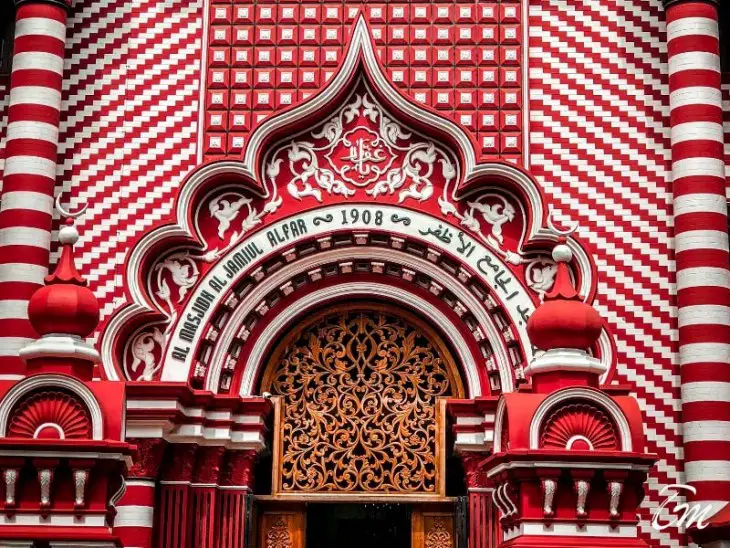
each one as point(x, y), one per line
point(462, 59)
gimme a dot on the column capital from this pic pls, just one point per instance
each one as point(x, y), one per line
point(669, 3)
point(63, 3)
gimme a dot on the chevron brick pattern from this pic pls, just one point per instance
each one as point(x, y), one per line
point(600, 145)
point(129, 125)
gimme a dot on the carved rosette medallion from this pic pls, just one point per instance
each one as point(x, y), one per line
point(359, 415)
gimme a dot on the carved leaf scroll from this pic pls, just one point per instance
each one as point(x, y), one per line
point(360, 390)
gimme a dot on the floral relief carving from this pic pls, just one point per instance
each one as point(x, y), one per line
point(438, 536)
point(360, 391)
point(361, 146)
point(540, 275)
point(278, 535)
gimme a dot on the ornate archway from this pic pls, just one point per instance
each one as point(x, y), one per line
point(361, 389)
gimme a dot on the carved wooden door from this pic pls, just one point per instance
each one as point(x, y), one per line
point(433, 527)
point(282, 528)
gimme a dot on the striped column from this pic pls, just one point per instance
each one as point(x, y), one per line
point(701, 245)
point(30, 169)
point(134, 522)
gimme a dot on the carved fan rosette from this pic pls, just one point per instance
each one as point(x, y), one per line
point(50, 415)
point(579, 426)
point(357, 161)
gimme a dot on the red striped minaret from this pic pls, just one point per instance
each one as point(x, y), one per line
point(30, 169)
point(701, 244)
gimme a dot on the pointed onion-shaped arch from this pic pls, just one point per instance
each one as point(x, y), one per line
point(359, 65)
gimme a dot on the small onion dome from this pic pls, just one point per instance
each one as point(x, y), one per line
point(563, 320)
point(64, 306)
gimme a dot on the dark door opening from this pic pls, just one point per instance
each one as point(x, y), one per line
point(358, 526)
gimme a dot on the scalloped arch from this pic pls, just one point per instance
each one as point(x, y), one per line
point(360, 62)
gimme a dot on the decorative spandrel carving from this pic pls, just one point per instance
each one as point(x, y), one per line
point(359, 391)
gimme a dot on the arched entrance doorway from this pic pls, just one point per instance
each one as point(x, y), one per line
point(359, 449)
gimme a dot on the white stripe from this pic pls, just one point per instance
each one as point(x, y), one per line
point(692, 26)
point(30, 129)
point(21, 272)
point(9, 346)
point(25, 235)
point(703, 276)
point(38, 60)
point(702, 391)
point(694, 60)
point(694, 131)
point(35, 95)
point(40, 26)
point(13, 310)
point(706, 430)
point(698, 167)
point(703, 314)
point(30, 165)
point(134, 516)
point(705, 352)
point(22, 199)
point(707, 470)
point(701, 239)
point(700, 203)
point(695, 95)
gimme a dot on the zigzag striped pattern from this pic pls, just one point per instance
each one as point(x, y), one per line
point(129, 126)
point(599, 132)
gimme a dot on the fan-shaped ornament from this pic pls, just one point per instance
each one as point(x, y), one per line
point(581, 427)
point(50, 415)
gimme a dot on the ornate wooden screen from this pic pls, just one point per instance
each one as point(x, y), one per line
point(359, 409)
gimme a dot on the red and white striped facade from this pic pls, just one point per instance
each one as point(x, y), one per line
point(619, 120)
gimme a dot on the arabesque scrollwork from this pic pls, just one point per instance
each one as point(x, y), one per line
point(360, 390)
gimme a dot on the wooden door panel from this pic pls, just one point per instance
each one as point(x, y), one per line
point(282, 529)
point(433, 528)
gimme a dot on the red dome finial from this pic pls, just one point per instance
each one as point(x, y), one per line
point(65, 306)
point(564, 320)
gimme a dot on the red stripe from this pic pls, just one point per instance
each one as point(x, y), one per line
point(23, 254)
point(36, 77)
point(695, 113)
point(17, 328)
point(699, 372)
point(26, 218)
point(33, 113)
point(691, 9)
point(698, 148)
point(32, 147)
point(39, 42)
point(17, 290)
point(694, 78)
point(42, 9)
point(692, 43)
point(698, 185)
point(706, 410)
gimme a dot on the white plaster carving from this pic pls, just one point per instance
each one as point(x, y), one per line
point(45, 477)
point(142, 346)
point(10, 475)
point(540, 275)
point(582, 488)
point(549, 487)
point(80, 479)
point(615, 488)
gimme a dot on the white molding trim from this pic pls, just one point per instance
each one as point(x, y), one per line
point(53, 381)
point(498, 425)
point(599, 398)
point(565, 464)
point(60, 346)
point(570, 529)
point(53, 520)
point(451, 332)
point(468, 299)
point(565, 359)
